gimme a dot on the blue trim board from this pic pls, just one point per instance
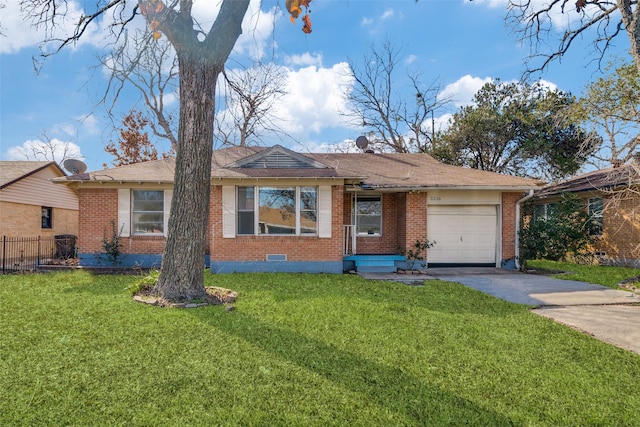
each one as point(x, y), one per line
point(224, 267)
point(126, 260)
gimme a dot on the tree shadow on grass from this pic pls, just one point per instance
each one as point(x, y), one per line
point(388, 386)
point(435, 295)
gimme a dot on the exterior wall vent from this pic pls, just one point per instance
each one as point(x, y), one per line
point(276, 257)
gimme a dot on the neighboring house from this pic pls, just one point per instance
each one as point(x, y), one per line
point(272, 209)
point(31, 205)
point(612, 201)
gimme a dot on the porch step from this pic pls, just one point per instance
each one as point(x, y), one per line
point(375, 263)
point(375, 268)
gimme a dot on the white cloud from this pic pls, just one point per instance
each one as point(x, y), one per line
point(491, 3)
point(257, 26)
point(257, 30)
point(549, 85)
point(314, 100)
point(344, 146)
point(305, 59)
point(461, 92)
point(15, 37)
point(442, 122)
point(19, 34)
point(366, 21)
point(52, 150)
point(387, 14)
point(89, 124)
point(410, 59)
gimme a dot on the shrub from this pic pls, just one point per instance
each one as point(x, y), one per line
point(145, 283)
point(111, 245)
point(564, 231)
point(416, 253)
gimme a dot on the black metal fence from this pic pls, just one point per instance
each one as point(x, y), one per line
point(23, 254)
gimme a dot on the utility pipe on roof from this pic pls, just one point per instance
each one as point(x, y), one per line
point(518, 203)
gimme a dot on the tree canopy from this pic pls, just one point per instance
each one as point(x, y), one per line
point(133, 145)
point(517, 129)
point(610, 105)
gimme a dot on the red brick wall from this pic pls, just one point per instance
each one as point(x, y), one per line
point(387, 243)
point(509, 223)
point(404, 220)
point(416, 221)
point(256, 248)
point(98, 207)
point(401, 222)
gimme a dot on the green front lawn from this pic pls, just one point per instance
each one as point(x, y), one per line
point(599, 274)
point(300, 350)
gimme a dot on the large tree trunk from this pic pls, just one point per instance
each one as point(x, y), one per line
point(200, 63)
point(182, 274)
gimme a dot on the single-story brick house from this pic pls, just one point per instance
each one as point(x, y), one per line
point(273, 209)
point(612, 199)
point(31, 205)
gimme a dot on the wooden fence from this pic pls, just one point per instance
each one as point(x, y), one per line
point(23, 254)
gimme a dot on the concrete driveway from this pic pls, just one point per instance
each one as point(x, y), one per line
point(609, 315)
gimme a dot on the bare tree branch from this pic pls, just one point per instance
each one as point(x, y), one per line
point(394, 124)
point(250, 96)
point(599, 20)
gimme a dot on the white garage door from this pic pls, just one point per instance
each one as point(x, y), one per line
point(463, 234)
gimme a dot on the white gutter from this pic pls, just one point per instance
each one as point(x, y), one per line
point(518, 203)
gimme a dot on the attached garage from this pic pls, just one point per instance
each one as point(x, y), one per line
point(464, 234)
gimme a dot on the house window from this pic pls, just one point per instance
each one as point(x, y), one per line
point(246, 210)
point(367, 215)
point(47, 217)
point(280, 210)
point(545, 211)
point(594, 210)
point(148, 211)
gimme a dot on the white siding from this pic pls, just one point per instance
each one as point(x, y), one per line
point(37, 189)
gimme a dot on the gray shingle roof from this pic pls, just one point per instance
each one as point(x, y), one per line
point(381, 171)
point(602, 179)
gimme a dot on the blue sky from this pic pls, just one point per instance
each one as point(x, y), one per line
point(459, 44)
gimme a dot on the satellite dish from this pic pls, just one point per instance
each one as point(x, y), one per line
point(362, 142)
point(75, 166)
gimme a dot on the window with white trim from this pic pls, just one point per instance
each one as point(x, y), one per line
point(291, 210)
point(367, 214)
point(545, 211)
point(147, 212)
point(594, 210)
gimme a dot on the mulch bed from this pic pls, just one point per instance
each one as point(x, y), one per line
point(214, 296)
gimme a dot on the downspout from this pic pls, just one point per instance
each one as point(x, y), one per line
point(518, 203)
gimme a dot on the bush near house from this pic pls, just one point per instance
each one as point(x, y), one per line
point(565, 230)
